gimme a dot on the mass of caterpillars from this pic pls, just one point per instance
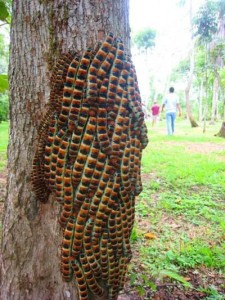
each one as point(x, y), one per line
point(88, 155)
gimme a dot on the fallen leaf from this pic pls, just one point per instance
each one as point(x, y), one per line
point(150, 236)
point(187, 278)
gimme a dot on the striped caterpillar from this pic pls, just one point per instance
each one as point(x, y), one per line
point(88, 156)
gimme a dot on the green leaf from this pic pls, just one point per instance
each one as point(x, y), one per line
point(3, 11)
point(140, 290)
point(3, 83)
point(133, 278)
point(176, 277)
point(145, 39)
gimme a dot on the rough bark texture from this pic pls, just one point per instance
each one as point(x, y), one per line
point(221, 133)
point(31, 235)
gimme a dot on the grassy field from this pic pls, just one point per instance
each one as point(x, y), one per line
point(180, 224)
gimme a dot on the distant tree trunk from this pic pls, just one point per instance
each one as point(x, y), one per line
point(190, 77)
point(204, 118)
point(215, 98)
point(220, 63)
point(200, 102)
point(187, 91)
point(221, 133)
point(223, 105)
point(31, 238)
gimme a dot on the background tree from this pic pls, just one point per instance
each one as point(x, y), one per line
point(191, 70)
point(205, 23)
point(210, 28)
point(31, 238)
point(217, 56)
point(145, 39)
point(199, 78)
point(190, 73)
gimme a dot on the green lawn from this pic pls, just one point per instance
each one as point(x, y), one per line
point(182, 205)
point(3, 143)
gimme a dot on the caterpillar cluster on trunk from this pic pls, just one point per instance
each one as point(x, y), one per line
point(88, 155)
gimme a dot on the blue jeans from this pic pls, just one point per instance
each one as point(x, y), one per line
point(170, 120)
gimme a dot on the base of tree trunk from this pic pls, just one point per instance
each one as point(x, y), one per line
point(193, 123)
point(221, 133)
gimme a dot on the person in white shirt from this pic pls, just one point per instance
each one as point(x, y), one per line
point(171, 105)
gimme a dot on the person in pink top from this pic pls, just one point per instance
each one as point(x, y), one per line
point(155, 112)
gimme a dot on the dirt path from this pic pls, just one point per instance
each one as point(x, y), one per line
point(203, 148)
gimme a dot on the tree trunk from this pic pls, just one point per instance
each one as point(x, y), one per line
point(221, 133)
point(187, 92)
point(204, 119)
point(190, 77)
point(200, 112)
point(31, 238)
point(215, 99)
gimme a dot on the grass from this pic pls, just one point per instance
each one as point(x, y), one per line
point(182, 203)
point(3, 144)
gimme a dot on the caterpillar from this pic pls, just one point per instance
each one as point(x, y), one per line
point(95, 266)
point(78, 93)
point(104, 256)
point(68, 91)
point(82, 216)
point(57, 81)
point(97, 61)
point(68, 237)
point(81, 282)
point(102, 132)
point(113, 83)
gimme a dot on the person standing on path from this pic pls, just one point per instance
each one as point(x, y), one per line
point(171, 105)
point(155, 112)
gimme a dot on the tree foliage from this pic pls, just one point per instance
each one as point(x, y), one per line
point(181, 70)
point(5, 15)
point(145, 39)
point(221, 7)
point(4, 107)
point(205, 22)
point(3, 83)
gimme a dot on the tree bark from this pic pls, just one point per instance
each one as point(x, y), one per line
point(221, 133)
point(31, 238)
